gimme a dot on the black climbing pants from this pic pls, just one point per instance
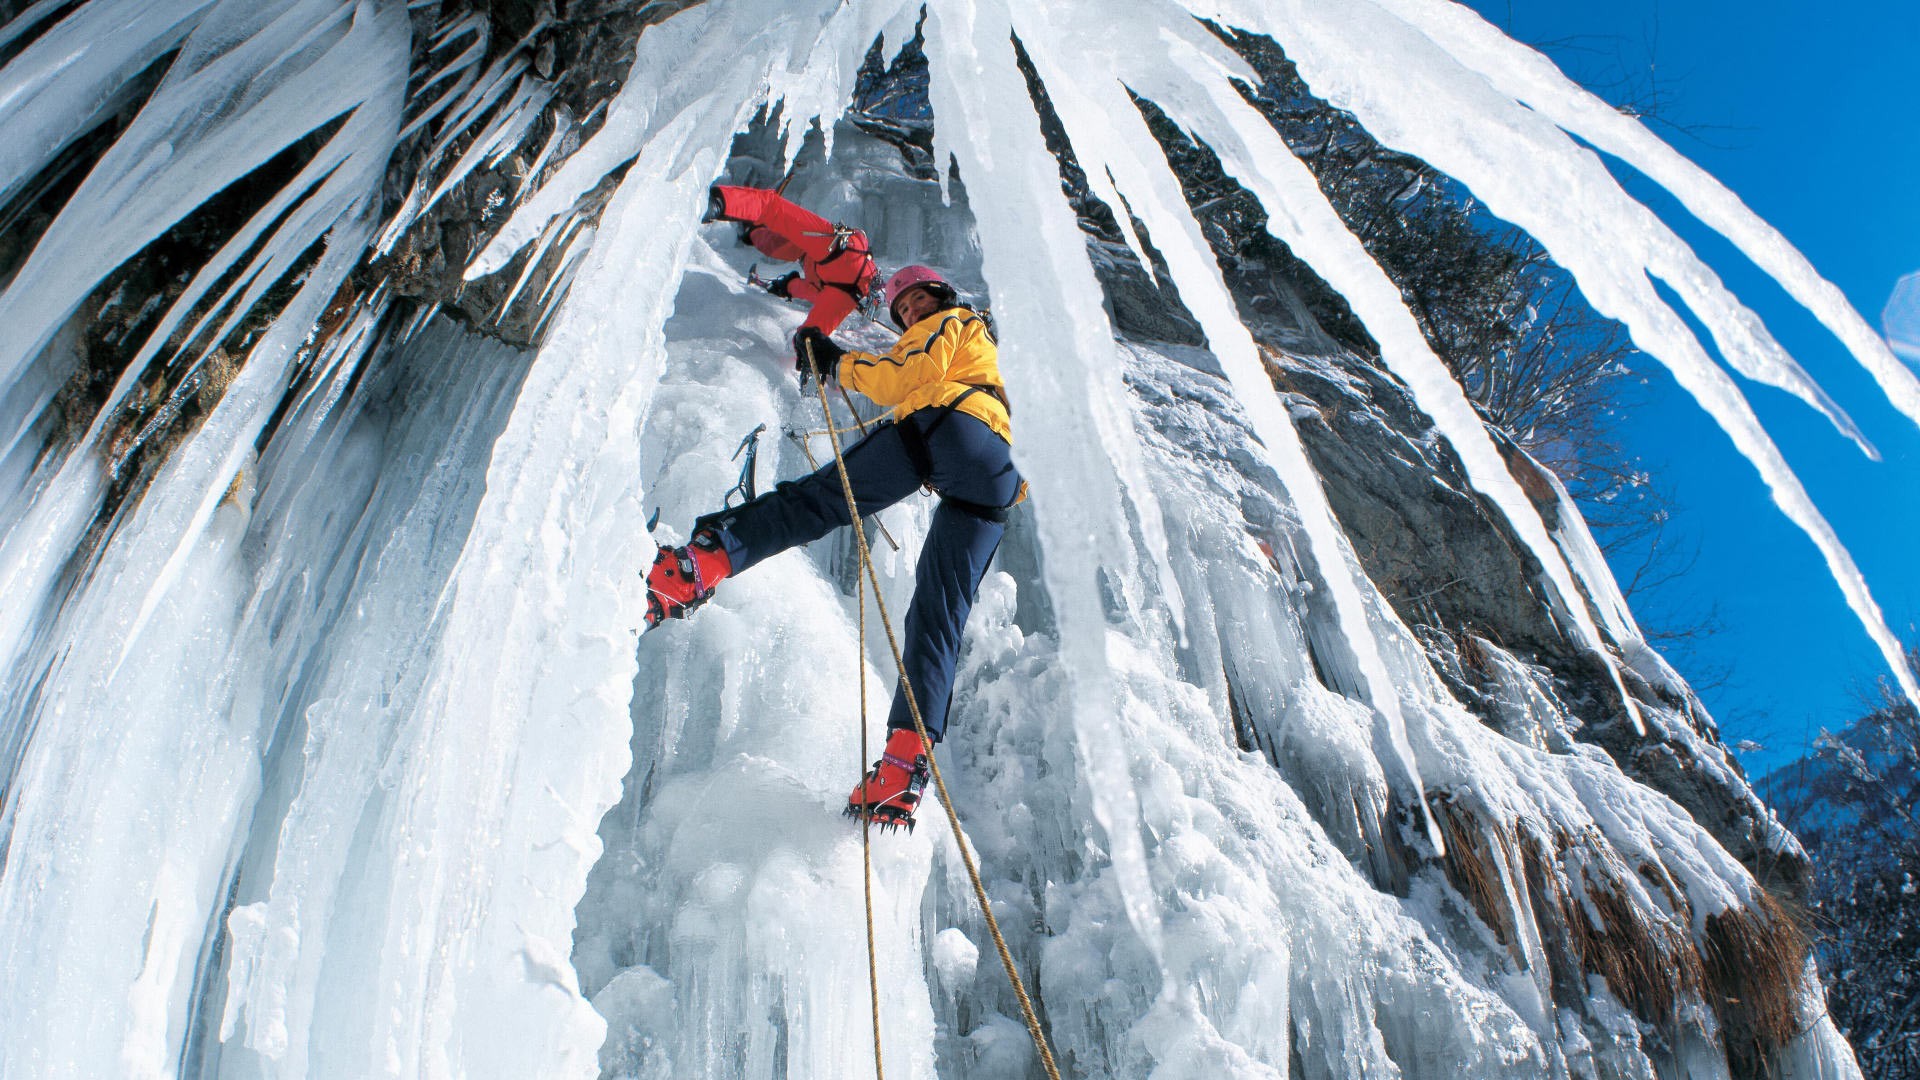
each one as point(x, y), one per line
point(968, 465)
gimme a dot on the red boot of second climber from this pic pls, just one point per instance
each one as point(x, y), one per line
point(890, 792)
point(682, 578)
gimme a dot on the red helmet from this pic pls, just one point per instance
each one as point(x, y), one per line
point(913, 277)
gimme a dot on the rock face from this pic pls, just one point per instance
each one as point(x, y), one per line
point(538, 72)
point(1451, 568)
point(1448, 563)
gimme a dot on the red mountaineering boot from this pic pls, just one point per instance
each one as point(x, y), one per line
point(682, 578)
point(890, 792)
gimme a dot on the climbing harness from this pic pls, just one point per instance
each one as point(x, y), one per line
point(872, 578)
point(915, 441)
point(842, 241)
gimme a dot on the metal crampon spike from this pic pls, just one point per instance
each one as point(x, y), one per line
point(889, 818)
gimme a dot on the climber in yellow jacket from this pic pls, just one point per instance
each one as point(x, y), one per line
point(951, 430)
point(946, 359)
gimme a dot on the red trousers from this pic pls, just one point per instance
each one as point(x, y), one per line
point(836, 268)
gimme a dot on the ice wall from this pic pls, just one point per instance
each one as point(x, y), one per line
point(347, 760)
point(249, 723)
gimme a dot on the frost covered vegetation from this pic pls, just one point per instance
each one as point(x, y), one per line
point(1853, 801)
point(1302, 731)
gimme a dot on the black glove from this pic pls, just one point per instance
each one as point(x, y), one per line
point(716, 205)
point(825, 354)
point(782, 286)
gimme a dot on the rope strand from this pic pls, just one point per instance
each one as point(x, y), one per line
point(940, 782)
point(866, 831)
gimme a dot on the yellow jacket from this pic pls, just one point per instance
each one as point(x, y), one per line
point(935, 361)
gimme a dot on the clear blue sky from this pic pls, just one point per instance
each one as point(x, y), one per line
point(1810, 113)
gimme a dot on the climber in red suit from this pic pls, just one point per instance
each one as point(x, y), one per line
point(836, 264)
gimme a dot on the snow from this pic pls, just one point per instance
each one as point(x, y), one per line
point(348, 760)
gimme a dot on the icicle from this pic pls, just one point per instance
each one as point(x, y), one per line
point(1110, 137)
point(1529, 78)
point(563, 128)
point(330, 373)
point(463, 66)
point(821, 89)
point(181, 150)
point(25, 21)
point(552, 297)
point(899, 30)
point(1029, 234)
point(480, 100)
point(1631, 235)
point(578, 245)
point(498, 139)
point(560, 231)
point(176, 153)
point(1299, 215)
point(1523, 168)
point(63, 83)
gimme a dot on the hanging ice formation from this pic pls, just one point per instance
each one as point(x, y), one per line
point(321, 674)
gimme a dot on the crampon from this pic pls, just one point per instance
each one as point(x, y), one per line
point(890, 792)
point(683, 578)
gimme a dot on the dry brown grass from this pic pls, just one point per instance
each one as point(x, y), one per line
point(1472, 654)
point(1747, 966)
point(1648, 961)
point(1754, 958)
point(1473, 867)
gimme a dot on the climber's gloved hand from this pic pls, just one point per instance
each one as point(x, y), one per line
point(716, 205)
point(782, 286)
point(815, 354)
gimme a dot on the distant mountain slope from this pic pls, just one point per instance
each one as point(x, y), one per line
point(1855, 804)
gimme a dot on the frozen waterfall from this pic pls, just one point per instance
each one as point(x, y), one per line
point(330, 747)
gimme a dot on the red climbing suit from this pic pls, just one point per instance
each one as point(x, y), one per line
point(836, 264)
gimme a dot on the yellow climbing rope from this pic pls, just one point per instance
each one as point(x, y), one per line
point(872, 578)
point(866, 823)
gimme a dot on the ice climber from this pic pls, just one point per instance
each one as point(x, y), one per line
point(836, 263)
point(950, 429)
